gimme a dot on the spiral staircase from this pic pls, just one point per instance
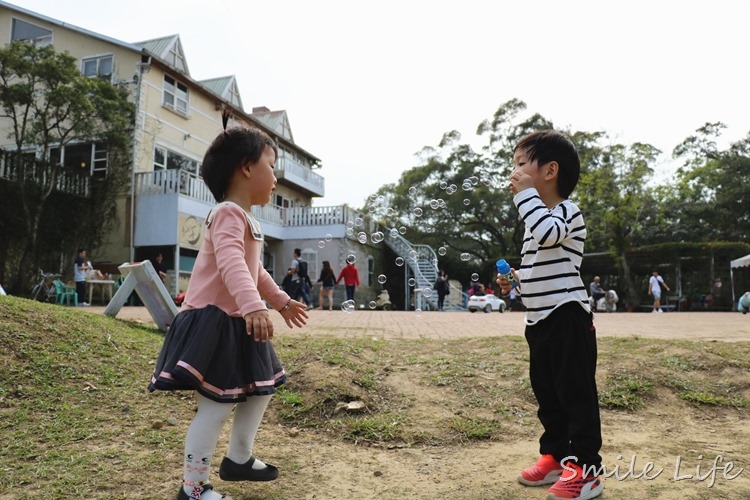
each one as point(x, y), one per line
point(421, 262)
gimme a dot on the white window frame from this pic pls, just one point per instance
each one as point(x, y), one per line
point(98, 61)
point(40, 41)
point(310, 256)
point(98, 158)
point(171, 98)
point(165, 166)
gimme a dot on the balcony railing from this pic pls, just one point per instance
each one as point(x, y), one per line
point(287, 168)
point(177, 181)
point(174, 181)
point(42, 175)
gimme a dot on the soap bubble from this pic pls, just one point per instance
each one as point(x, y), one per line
point(402, 230)
point(442, 250)
point(382, 279)
point(373, 304)
point(347, 306)
point(475, 277)
point(349, 224)
point(351, 258)
point(399, 261)
point(362, 237)
point(413, 255)
point(329, 237)
point(393, 233)
point(467, 202)
point(443, 184)
point(434, 204)
point(321, 244)
point(412, 190)
point(465, 256)
point(358, 221)
point(427, 292)
point(418, 212)
point(412, 282)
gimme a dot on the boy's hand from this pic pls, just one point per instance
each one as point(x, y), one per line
point(506, 285)
point(259, 325)
point(520, 180)
point(295, 315)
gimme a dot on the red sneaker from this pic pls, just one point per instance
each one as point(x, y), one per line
point(573, 486)
point(546, 470)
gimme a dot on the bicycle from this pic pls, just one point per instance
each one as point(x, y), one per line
point(44, 291)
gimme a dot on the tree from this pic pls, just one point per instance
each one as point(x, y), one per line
point(614, 194)
point(46, 104)
point(455, 197)
point(710, 199)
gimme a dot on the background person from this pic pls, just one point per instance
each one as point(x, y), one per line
point(160, 267)
point(442, 287)
point(79, 276)
point(294, 283)
point(597, 292)
point(327, 282)
point(655, 282)
point(350, 275)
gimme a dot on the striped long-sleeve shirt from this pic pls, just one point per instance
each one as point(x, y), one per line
point(551, 255)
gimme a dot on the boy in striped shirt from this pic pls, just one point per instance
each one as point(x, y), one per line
point(559, 323)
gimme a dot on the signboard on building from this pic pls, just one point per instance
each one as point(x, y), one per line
point(190, 231)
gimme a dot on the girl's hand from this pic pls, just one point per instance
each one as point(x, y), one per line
point(294, 314)
point(506, 285)
point(259, 325)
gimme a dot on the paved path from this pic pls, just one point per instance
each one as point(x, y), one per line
point(723, 326)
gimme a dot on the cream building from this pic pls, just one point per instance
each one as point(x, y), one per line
point(177, 117)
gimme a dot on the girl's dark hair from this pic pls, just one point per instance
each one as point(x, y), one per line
point(550, 145)
point(326, 264)
point(233, 148)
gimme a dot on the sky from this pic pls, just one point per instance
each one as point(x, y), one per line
point(367, 85)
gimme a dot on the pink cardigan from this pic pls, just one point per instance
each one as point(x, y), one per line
point(228, 272)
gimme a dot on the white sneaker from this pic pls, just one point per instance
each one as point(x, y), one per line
point(86, 304)
point(660, 311)
point(654, 311)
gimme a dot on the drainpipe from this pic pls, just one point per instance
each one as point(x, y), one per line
point(136, 133)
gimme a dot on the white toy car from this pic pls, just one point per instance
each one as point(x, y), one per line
point(486, 303)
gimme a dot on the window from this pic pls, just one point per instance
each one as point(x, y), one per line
point(165, 159)
point(281, 201)
point(98, 66)
point(370, 271)
point(268, 263)
point(35, 34)
point(175, 95)
point(89, 158)
point(100, 161)
point(311, 257)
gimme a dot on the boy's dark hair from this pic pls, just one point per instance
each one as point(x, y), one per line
point(232, 149)
point(550, 145)
point(298, 252)
point(80, 250)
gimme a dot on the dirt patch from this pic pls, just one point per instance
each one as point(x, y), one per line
point(463, 418)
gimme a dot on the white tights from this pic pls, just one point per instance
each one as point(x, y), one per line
point(203, 434)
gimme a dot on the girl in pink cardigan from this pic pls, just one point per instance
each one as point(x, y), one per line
point(219, 344)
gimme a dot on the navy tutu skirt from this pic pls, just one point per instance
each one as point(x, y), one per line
point(209, 351)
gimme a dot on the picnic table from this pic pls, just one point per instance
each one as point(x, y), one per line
point(104, 285)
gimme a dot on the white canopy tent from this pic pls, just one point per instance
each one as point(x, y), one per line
point(742, 262)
